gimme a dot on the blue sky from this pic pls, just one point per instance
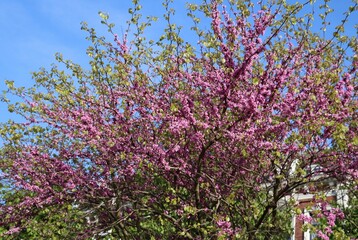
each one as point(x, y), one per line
point(32, 31)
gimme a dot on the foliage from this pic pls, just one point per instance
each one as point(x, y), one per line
point(55, 222)
point(349, 225)
point(171, 139)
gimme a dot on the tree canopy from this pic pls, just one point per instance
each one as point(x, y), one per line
point(173, 138)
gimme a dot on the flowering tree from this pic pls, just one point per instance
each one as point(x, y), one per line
point(167, 139)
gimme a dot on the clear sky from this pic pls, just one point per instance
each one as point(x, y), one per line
point(32, 31)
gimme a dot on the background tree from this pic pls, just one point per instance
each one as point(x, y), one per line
point(349, 225)
point(168, 139)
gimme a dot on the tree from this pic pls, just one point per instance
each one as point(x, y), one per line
point(349, 225)
point(167, 139)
